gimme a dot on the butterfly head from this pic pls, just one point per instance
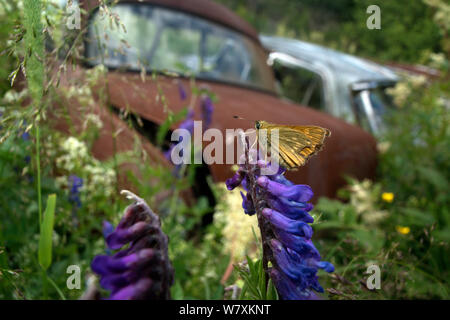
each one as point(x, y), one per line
point(258, 125)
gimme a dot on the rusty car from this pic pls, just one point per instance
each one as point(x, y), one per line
point(179, 41)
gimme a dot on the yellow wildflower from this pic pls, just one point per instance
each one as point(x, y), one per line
point(403, 230)
point(387, 197)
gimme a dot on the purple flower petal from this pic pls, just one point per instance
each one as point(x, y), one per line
point(107, 229)
point(291, 209)
point(300, 273)
point(299, 193)
point(278, 220)
point(136, 291)
point(326, 266)
point(289, 290)
point(235, 180)
point(303, 247)
point(120, 237)
point(111, 281)
point(247, 204)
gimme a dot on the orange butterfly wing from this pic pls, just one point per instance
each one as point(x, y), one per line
point(296, 144)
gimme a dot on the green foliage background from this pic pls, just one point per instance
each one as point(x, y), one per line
point(407, 28)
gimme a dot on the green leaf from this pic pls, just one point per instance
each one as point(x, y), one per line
point(271, 291)
point(45, 239)
point(254, 280)
point(417, 217)
point(250, 281)
point(177, 291)
point(262, 280)
point(250, 264)
point(434, 177)
point(243, 292)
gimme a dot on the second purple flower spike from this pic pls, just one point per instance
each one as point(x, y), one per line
point(142, 270)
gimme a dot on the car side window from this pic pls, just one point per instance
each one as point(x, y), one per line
point(300, 85)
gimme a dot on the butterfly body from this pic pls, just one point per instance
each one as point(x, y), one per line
point(296, 144)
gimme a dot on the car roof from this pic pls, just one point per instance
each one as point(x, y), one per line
point(345, 67)
point(206, 9)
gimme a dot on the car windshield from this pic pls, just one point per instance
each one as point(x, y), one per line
point(165, 40)
point(372, 106)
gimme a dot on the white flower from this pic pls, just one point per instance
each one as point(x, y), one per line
point(238, 235)
point(437, 60)
point(418, 81)
point(383, 146)
point(400, 93)
point(75, 147)
point(93, 120)
point(74, 154)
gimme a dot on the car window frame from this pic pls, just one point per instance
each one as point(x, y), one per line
point(364, 89)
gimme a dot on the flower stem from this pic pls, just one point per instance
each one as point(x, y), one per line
point(44, 284)
point(38, 168)
point(259, 204)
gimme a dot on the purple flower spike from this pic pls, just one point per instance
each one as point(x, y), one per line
point(25, 136)
point(74, 194)
point(182, 91)
point(207, 111)
point(188, 123)
point(282, 209)
point(143, 270)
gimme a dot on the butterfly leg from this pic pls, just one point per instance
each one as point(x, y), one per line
point(253, 144)
point(250, 133)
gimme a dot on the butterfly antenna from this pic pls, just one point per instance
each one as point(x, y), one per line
point(240, 118)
